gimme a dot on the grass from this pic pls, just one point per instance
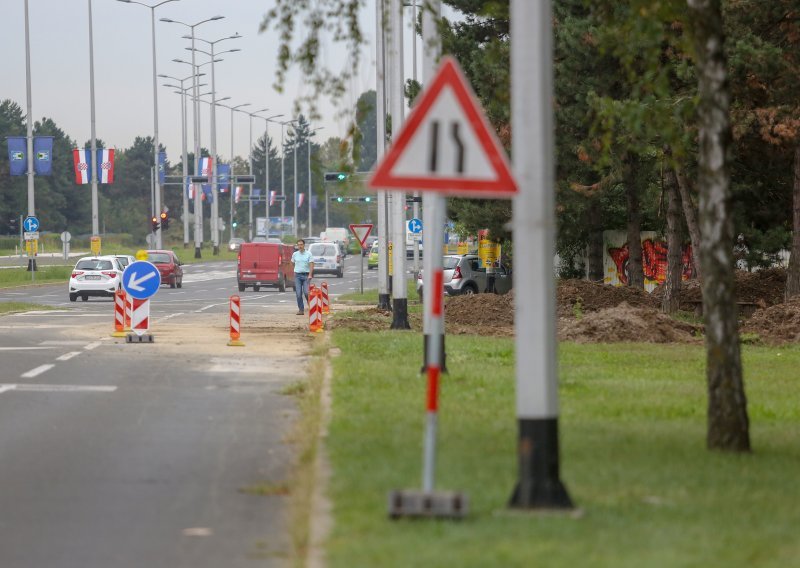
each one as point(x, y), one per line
point(19, 307)
point(13, 277)
point(633, 457)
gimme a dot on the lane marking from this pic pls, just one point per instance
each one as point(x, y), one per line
point(37, 371)
point(23, 348)
point(209, 307)
point(97, 343)
point(57, 388)
point(170, 316)
point(61, 343)
point(68, 356)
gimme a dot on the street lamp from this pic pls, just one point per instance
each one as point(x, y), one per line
point(158, 243)
point(198, 206)
point(308, 150)
point(184, 150)
point(267, 120)
point(234, 109)
point(250, 159)
point(283, 202)
point(214, 166)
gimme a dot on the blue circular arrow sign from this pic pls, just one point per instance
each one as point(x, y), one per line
point(415, 226)
point(30, 224)
point(141, 279)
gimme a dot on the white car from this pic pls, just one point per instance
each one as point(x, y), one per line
point(125, 260)
point(327, 258)
point(95, 276)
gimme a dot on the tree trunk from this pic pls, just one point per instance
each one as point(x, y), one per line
point(690, 214)
point(635, 270)
point(728, 425)
point(793, 274)
point(672, 285)
point(595, 269)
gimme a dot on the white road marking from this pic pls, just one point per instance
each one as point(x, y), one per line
point(207, 307)
point(68, 356)
point(62, 343)
point(96, 343)
point(37, 371)
point(170, 316)
point(57, 388)
point(23, 348)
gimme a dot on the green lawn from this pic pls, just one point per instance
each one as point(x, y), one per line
point(12, 277)
point(633, 458)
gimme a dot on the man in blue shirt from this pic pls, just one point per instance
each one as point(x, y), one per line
point(303, 272)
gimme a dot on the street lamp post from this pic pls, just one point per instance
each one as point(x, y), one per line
point(185, 156)
point(93, 161)
point(214, 165)
point(294, 198)
point(250, 163)
point(158, 243)
point(283, 193)
point(267, 120)
point(198, 205)
point(29, 126)
point(308, 150)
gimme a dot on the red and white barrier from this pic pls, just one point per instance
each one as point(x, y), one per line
point(326, 303)
point(140, 316)
point(119, 314)
point(235, 321)
point(315, 324)
point(128, 310)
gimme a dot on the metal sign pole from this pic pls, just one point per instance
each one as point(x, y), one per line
point(361, 270)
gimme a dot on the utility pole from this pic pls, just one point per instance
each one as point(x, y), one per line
point(29, 126)
point(380, 110)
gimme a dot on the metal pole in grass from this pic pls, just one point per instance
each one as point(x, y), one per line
point(539, 485)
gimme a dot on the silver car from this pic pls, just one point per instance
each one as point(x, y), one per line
point(327, 258)
point(464, 274)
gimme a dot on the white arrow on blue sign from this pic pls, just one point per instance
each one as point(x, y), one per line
point(415, 226)
point(141, 279)
point(31, 224)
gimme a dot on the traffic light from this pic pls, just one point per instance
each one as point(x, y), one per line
point(13, 226)
point(164, 221)
point(154, 222)
point(235, 224)
point(336, 176)
point(352, 199)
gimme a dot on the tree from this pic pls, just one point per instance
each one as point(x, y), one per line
point(728, 425)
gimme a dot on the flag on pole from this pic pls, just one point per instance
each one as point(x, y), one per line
point(301, 197)
point(43, 155)
point(223, 177)
point(272, 194)
point(238, 195)
point(80, 160)
point(105, 165)
point(17, 155)
point(162, 167)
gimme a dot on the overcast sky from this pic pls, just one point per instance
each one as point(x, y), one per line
point(59, 36)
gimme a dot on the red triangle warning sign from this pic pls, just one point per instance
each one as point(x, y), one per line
point(446, 145)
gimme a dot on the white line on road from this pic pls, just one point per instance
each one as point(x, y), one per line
point(97, 343)
point(170, 316)
point(68, 356)
point(62, 343)
point(37, 371)
point(57, 388)
point(208, 307)
point(22, 348)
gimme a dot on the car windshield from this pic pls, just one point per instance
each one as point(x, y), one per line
point(450, 262)
point(123, 262)
point(94, 264)
point(158, 257)
point(322, 250)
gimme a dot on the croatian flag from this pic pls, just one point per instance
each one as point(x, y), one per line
point(190, 191)
point(81, 159)
point(301, 197)
point(205, 166)
point(105, 165)
point(272, 194)
point(238, 195)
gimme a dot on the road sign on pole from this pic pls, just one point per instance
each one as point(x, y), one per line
point(447, 145)
point(361, 232)
point(415, 226)
point(30, 224)
point(141, 279)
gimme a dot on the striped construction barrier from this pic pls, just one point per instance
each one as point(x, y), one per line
point(326, 303)
point(119, 314)
point(235, 322)
point(128, 310)
point(315, 324)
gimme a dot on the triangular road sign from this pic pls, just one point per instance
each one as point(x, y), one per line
point(446, 145)
point(361, 232)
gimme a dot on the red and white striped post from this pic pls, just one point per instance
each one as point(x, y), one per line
point(235, 319)
point(140, 316)
point(119, 314)
point(315, 324)
point(326, 303)
point(128, 310)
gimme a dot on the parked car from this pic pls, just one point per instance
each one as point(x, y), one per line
point(125, 260)
point(327, 258)
point(372, 259)
point(264, 264)
point(170, 268)
point(95, 276)
point(235, 243)
point(463, 274)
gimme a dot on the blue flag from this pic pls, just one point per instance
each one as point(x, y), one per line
point(43, 155)
point(162, 167)
point(17, 154)
point(208, 194)
point(223, 177)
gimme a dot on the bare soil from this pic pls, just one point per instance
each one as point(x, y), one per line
point(592, 312)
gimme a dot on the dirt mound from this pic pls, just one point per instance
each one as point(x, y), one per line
point(576, 297)
point(624, 322)
point(776, 324)
point(480, 310)
point(763, 287)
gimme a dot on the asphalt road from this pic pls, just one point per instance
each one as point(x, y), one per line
point(146, 455)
